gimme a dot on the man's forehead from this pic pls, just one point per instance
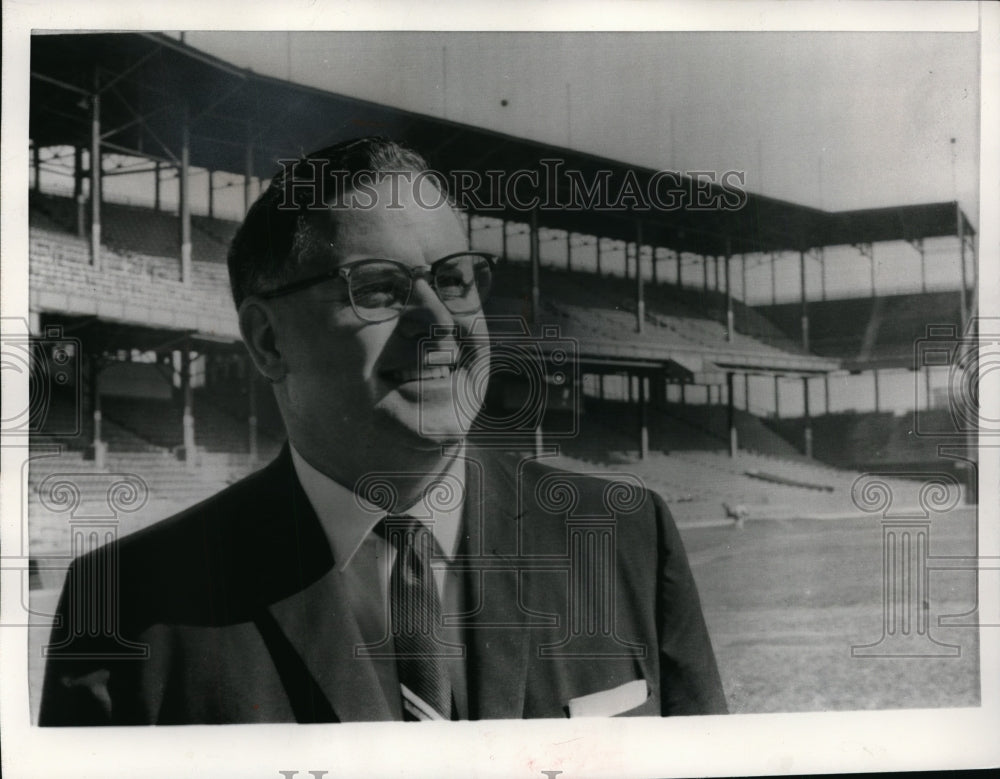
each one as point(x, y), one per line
point(387, 215)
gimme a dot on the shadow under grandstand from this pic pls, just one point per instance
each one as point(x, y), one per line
point(586, 304)
point(135, 230)
point(867, 331)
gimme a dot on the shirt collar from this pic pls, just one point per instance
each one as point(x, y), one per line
point(347, 519)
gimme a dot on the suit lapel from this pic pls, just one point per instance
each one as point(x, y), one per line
point(497, 638)
point(313, 630)
point(319, 625)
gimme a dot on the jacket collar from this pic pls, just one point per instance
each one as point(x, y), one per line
point(316, 619)
point(313, 613)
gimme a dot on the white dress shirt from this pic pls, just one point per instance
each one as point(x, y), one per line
point(348, 520)
point(364, 558)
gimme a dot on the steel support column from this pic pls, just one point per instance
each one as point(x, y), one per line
point(36, 163)
point(974, 252)
point(802, 297)
point(730, 315)
point(211, 194)
point(963, 303)
point(731, 415)
point(868, 250)
point(923, 264)
point(598, 256)
point(640, 309)
point(777, 398)
point(875, 378)
point(569, 251)
point(871, 265)
point(774, 279)
point(643, 419)
point(95, 176)
point(185, 197)
point(81, 213)
point(156, 186)
point(98, 448)
point(187, 393)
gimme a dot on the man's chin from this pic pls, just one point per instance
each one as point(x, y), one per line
point(425, 424)
point(433, 436)
point(436, 444)
point(424, 433)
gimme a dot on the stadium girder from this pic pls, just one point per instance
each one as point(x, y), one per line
point(149, 95)
point(242, 122)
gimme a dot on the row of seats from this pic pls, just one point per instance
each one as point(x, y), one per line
point(691, 315)
point(159, 423)
point(134, 230)
point(145, 286)
point(132, 424)
point(850, 439)
point(585, 305)
point(697, 485)
point(689, 466)
point(753, 435)
point(131, 491)
point(143, 244)
point(838, 327)
point(704, 487)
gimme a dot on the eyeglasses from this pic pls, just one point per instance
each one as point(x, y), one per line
point(380, 289)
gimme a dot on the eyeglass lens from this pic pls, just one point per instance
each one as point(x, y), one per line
point(379, 289)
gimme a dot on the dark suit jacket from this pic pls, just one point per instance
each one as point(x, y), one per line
point(233, 611)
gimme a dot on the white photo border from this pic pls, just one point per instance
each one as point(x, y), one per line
point(739, 744)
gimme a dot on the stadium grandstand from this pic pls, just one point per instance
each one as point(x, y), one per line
point(652, 356)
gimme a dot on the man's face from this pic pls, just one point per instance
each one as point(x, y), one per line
point(355, 389)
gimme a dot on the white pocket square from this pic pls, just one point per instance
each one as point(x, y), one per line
point(608, 703)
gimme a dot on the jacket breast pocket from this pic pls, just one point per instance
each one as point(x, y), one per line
point(632, 699)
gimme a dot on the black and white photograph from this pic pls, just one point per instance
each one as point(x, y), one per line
point(409, 377)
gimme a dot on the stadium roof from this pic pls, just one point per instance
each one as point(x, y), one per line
point(148, 81)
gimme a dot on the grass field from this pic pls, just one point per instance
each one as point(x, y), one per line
point(785, 600)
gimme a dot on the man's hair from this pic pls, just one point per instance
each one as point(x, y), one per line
point(279, 230)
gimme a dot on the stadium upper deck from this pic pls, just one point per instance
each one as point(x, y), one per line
point(150, 97)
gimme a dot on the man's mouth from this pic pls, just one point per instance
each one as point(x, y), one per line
point(438, 364)
point(429, 373)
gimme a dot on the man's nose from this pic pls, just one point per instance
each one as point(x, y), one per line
point(423, 311)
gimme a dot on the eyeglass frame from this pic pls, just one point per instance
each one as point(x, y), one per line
point(413, 272)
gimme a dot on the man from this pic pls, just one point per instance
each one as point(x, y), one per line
point(382, 567)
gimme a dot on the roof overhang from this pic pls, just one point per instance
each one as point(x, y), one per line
point(242, 121)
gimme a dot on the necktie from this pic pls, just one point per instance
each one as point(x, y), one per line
point(415, 614)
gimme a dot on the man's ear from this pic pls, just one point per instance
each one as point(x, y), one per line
point(258, 324)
